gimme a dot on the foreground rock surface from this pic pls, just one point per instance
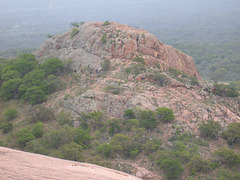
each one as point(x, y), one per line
point(22, 165)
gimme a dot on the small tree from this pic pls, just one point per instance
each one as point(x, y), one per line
point(23, 136)
point(37, 130)
point(129, 114)
point(147, 119)
point(228, 156)
point(114, 126)
point(106, 23)
point(52, 66)
point(9, 89)
point(232, 134)
point(71, 151)
point(172, 168)
point(210, 129)
point(64, 118)
point(10, 114)
point(165, 114)
point(198, 164)
point(35, 95)
point(83, 138)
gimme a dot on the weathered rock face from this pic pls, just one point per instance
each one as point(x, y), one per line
point(95, 42)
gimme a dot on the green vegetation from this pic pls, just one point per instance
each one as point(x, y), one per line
point(106, 23)
point(182, 76)
point(228, 157)
point(165, 114)
point(210, 129)
point(104, 38)
point(159, 79)
point(74, 32)
point(139, 59)
point(232, 134)
point(113, 89)
point(23, 136)
point(135, 69)
point(10, 114)
point(23, 78)
point(101, 140)
point(225, 90)
point(172, 168)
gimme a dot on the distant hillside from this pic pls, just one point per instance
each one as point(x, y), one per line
point(108, 94)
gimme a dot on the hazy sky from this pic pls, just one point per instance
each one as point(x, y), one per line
point(164, 18)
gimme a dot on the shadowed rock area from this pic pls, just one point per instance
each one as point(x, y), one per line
point(22, 165)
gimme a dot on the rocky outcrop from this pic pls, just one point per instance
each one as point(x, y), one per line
point(95, 42)
point(22, 165)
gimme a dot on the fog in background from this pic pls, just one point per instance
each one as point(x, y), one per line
point(170, 20)
point(208, 30)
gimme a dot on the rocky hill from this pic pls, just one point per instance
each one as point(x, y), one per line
point(93, 42)
point(191, 104)
point(116, 79)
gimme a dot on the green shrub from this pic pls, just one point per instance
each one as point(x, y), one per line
point(74, 32)
point(33, 78)
point(6, 127)
point(210, 129)
point(112, 89)
point(37, 130)
point(75, 24)
point(177, 73)
point(132, 124)
point(152, 146)
point(10, 114)
point(106, 23)
point(64, 118)
point(2, 143)
point(135, 69)
point(35, 95)
point(224, 90)
point(52, 66)
point(232, 134)
point(120, 142)
point(24, 135)
point(159, 79)
point(114, 126)
point(41, 113)
point(105, 149)
point(129, 114)
point(147, 119)
point(182, 152)
point(228, 156)
point(165, 114)
point(198, 164)
point(139, 59)
point(225, 174)
point(105, 65)
point(83, 138)
point(71, 151)
point(9, 89)
point(171, 168)
point(104, 38)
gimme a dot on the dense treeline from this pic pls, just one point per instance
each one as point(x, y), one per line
point(219, 62)
point(24, 78)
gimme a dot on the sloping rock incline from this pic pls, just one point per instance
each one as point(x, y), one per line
point(22, 165)
point(95, 42)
